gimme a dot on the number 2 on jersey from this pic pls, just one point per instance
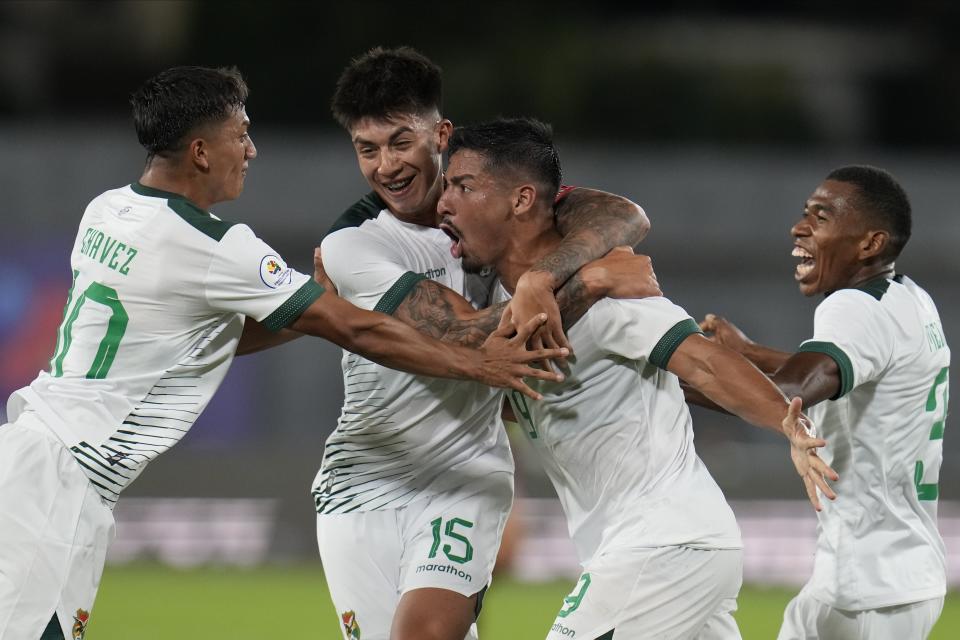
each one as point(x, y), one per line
point(116, 327)
point(930, 491)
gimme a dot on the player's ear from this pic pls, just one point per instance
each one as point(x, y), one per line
point(874, 243)
point(524, 197)
point(197, 152)
point(443, 130)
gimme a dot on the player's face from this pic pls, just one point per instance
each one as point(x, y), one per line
point(474, 211)
point(230, 150)
point(400, 158)
point(827, 239)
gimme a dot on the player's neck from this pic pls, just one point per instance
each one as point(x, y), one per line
point(870, 272)
point(167, 176)
point(524, 251)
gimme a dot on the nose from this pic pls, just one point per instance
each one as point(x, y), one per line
point(389, 163)
point(251, 149)
point(801, 228)
point(442, 207)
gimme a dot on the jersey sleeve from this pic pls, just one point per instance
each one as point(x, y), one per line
point(849, 326)
point(648, 329)
point(368, 271)
point(247, 276)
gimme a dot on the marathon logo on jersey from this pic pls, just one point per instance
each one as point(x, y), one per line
point(445, 568)
point(350, 626)
point(80, 624)
point(562, 630)
point(274, 272)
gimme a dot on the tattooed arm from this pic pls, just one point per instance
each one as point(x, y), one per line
point(592, 223)
point(442, 313)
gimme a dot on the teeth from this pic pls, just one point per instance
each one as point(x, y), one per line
point(803, 269)
point(800, 252)
point(397, 186)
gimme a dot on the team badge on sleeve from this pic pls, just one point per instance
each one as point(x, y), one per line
point(350, 626)
point(80, 624)
point(274, 272)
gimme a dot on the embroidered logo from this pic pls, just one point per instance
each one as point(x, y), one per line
point(350, 626)
point(80, 624)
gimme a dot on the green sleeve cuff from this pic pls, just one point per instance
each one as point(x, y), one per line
point(294, 306)
point(396, 294)
point(662, 353)
point(838, 356)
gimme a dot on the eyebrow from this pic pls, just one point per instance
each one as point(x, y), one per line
point(460, 178)
point(396, 134)
point(816, 206)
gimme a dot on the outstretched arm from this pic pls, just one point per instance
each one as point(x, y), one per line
point(733, 383)
point(814, 377)
point(499, 362)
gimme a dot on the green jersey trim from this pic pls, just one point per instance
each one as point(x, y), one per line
point(662, 353)
point(144, 190)
point(295, 305)
point(396, 294)
point(202, 221)
point(838, 356)
point(366, 208)
point(876, 287)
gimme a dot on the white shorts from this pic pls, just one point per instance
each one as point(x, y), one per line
point(54, 534)
point(808, 618)
point(671, 593)
point(448, 541)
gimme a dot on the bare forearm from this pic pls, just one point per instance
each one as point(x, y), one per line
point(767, 359)
point(385, 340)
point(443, 314)
point(694, 396)
point(730, 381)
point(592, 223)
point(256, 338)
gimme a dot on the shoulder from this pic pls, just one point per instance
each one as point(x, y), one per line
point(367, 208)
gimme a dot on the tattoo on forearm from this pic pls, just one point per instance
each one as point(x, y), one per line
point(430, 310)
point(593, 223)
point(573, 300)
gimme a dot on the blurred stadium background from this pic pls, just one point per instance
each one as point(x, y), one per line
point(718, 118)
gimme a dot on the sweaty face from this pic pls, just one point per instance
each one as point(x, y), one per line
point(827, 239)
point(400, 158)
point(229, 151)
point(474, 211)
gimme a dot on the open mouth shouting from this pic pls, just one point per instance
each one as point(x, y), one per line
point(806, 264)
point(456, 246)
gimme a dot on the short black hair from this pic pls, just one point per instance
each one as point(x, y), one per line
point(174, 102)
point(515, 145)
point(385, 82)
point(882, 199)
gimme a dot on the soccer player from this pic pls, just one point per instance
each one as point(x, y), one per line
point(417, 479)
point(875, 375)
point(659, 545)
point(163, 295)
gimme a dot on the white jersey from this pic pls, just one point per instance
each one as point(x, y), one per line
point(402, 437)
point(878, 544)
point(616, 437)
point(152, 321)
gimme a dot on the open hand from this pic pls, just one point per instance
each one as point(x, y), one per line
point(506, 360)
point(803, 451)
point(534, 296)
point(622, 274)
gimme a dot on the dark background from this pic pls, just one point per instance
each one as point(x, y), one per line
point(719, 120)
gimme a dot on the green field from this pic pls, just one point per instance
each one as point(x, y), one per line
point(147, 602)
